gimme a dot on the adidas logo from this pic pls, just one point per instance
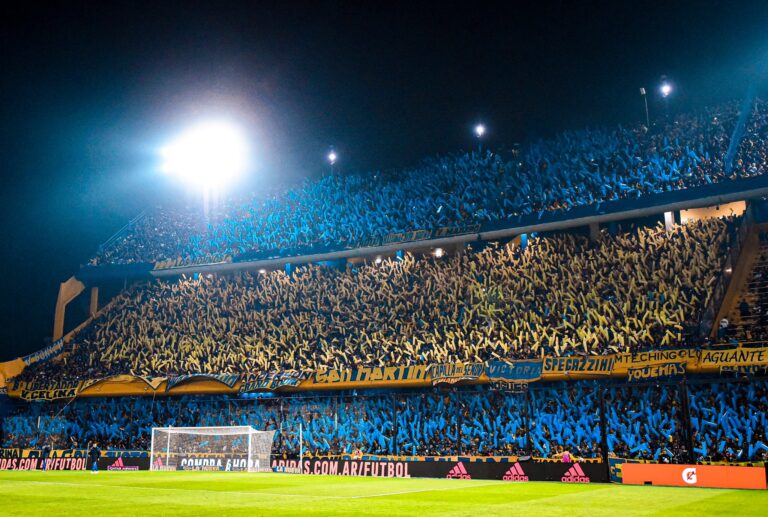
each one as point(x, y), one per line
point(575, 474)
point(119, 465)
point(515, 473)
point(458, 472)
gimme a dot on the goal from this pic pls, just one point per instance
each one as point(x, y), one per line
point(236, 448)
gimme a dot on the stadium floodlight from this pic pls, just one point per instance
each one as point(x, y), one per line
point(332, 157)
point(647, 116)
point(208, 155)
point(665, 89)
point(479, 130)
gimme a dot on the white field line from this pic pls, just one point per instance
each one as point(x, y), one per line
point(423, 490)
point(276, 494)
point(167, 489)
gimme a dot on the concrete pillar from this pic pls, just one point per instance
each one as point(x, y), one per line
point(94, 307)
point(669, 221)
point(594, 231)
point(68, 291)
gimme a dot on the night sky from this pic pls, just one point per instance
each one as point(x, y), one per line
point(90, 92)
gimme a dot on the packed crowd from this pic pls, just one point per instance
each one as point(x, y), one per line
point(748, 321)
point(646, 427)
point(576, 168)
point(728, 421)
point(558, 295)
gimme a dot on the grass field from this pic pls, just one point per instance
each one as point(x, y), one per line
point(225, 494)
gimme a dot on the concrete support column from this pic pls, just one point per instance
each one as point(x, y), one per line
point(669, 221)
point(68, 291)
point(594, 231)
point(94, 307)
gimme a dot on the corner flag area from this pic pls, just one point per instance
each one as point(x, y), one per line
point(199, 493)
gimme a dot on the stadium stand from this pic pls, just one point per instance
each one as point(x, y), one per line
point(643, 422)
point(630, 287)
point(561, 295)
point(573, 169)
point(747, 321)
point(729, 421)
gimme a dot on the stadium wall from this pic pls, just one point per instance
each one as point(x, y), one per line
point(579, 472)
point(463, 468)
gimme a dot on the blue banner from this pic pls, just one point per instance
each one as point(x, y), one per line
point(515, 371)
point(272, 380)
point(52, 350)
point(228, 379)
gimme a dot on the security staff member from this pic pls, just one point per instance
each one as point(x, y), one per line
point(94, 454)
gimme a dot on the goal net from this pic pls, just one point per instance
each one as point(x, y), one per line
point(237, 448)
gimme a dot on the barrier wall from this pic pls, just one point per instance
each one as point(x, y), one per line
point(126, 463)
point(506, 468)
point(710, 476)
point(28, 463)
point(643, 366)
point(518, 471)
point(69, 453)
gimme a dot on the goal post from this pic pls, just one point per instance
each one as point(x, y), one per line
point(233, 448)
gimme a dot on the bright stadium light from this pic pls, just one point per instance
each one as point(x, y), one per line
point(479, 130)
point(208, 155)
point(665, 89)
point(332, 156)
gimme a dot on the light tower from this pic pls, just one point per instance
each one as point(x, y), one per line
point(479, 133)
point(332, 157)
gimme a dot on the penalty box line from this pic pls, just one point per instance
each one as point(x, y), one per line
point(231, 492)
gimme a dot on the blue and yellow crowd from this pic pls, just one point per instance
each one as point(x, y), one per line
point(640, 289)
point(572, 169)
point(728, 421)
point(629, 289)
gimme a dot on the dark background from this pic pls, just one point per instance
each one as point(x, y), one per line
point(89, 92)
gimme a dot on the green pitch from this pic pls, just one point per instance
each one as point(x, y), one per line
point(225, 494)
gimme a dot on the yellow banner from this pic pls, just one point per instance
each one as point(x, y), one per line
point(452, 373)
point(579, 365)
point(638, 366)
point(57, 390)
point(374, 374)
point(642, 359)
point(735, 357)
